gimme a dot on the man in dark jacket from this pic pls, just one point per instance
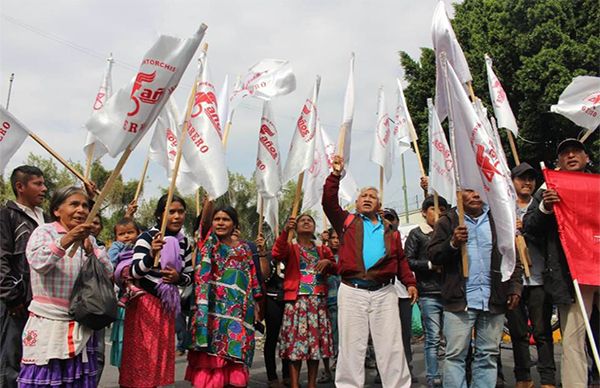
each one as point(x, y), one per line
point(17, 220)
point(429, 279)
point(539, 221)
point(477, 302)
point(370, 256)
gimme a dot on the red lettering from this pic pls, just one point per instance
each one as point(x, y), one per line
point(260, 165)
point(6, 125)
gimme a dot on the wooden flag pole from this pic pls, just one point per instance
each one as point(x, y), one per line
point(226, 133)
point(186, 124)
point(103, 194)
point(436, 205)
point(513, 147)
point(341, 140)
point(140, 185)
point(197, 200)
point(261, 215)
point(587, 134)
point(88, 162)
point(296, 206)
point(60, 159)
point(586, 320)
point(381, 184)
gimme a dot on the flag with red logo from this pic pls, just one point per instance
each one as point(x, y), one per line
point(578, 228)
point(268, 159)
point(315, 176)
point(348, 114)
point(444, 41)
point(128, 115)
point(12, 136)
point(302, 147)
point(479, 168)
point(203, 150)
point(382, 152)
point(267, 79)
point(580, 102)
point(504, 114)
point(441, 164)
point(102, 96)
point(404, 130)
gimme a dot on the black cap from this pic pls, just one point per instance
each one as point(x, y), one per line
point(429, 202)
point(389, 212)
point(570, 142)
point(522, 169)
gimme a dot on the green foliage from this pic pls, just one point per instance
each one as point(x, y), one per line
point(537, 48)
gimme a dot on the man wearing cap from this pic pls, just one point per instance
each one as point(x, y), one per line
point(370, 256)
point(535, 304)
point(540, 222)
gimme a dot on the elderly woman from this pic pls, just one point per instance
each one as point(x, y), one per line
point(58, 351)
point(226, 288)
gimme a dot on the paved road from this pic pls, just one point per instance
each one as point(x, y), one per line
point(258, 376)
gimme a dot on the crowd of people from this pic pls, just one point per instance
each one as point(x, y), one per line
point(330, 299)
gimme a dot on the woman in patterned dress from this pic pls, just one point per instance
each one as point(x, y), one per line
point(226, 290)
point(306, 329)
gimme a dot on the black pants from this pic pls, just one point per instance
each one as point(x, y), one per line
point(406, 322)
point(11, 348)
point(536, 306)
point(273, 318)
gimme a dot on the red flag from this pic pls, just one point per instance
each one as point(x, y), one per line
point(578, 223)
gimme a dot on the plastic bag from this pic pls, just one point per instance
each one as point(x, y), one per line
point(93, 302)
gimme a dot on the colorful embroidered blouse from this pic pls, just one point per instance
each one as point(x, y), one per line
point(226, 288)
point(311, 281)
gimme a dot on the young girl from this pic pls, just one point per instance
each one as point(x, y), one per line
point(126, 232)
point(306, 329)
point(226, 289)
point(149, 336)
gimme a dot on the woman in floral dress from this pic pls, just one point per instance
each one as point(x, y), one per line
point(226, 288)
point(306, 329)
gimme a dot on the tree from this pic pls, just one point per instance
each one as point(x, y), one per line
point(538, 47)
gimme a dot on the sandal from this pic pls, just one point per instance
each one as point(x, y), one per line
point(325, 378)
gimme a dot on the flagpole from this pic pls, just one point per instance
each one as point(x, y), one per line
point(459, 199)
point(88, 162)
point(404, 188)
point(587, 134)
point(381, 184)
point(142, 178)
point(296, 202)
point(261, 215)
point(436, 205)
point(10, 83)
point(186, 124)
point(197, 200)
point(59, 158)
point(341, 140)
point(586, 320)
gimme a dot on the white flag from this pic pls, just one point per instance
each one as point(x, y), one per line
point(102, 97)
point(203, 151)
point(129, 114)
point(302, 146)
point(12, 136)
point(315, 176)
point(580, 102)
point(444, 40)
point(404, 130)
point(223, 101)
point(267, 79)
point(479, 169)
point(268, 159)
point(492, 132)
point(504, 115)
point(382, 150)
point(348, 114)
point(441, 163)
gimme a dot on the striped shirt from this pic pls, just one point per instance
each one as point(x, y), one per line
point(143, 262)
point(53, 272)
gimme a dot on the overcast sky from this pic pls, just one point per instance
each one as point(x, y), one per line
point(57, 50)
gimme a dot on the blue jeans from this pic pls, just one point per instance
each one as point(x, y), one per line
point(457, 329)
point(432, 310)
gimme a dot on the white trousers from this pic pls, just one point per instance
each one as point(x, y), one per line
point(361, 312)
